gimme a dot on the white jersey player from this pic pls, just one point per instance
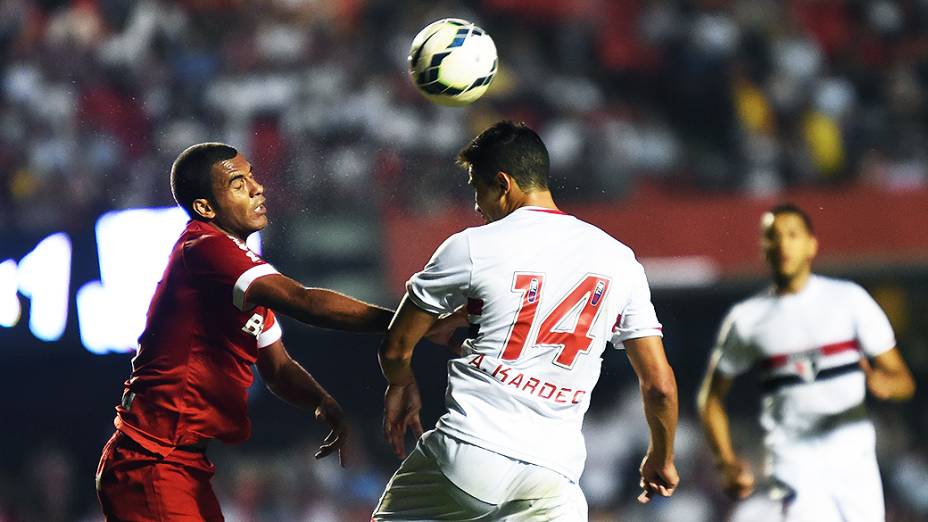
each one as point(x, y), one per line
point(543, 293)
point(811, 338)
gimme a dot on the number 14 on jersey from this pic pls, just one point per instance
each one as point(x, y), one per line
point(586, 295)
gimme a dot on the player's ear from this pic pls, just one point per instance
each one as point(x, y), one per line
point(503, 181)
point(204, 208)
point(813, 247)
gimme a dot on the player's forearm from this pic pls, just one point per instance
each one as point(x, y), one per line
point(715, 425)
point(661, 410)
point(891, 385)
point(293, 384)
point(330, 309)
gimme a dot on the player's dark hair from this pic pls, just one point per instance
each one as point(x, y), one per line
point(190, 173)
point(509, 147)
point(792, 208)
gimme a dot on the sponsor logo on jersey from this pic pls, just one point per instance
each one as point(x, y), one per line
point(255, 325)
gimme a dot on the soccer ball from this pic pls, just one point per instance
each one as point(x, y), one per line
point(452, 62)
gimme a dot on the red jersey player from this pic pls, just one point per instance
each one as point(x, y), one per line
point(210, 319)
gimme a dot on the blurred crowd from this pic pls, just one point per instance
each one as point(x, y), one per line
point(98, 96)
point(749, 97)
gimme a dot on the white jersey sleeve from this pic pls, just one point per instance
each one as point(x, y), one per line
point(733, 354)
point(441, 287)
point(874, 333)
point(638, 318)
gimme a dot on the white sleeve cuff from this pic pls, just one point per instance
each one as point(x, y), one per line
point(422, 303)
point(245, 280)
point(270, 336)
point(618, 338)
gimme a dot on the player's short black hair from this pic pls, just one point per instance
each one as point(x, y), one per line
point(509, 147)
point(792, 208)
point(190, 173)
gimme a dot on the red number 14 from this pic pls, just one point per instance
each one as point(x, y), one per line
point(589, 293)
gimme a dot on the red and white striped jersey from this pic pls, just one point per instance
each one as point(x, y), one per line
point(807, 347)
point(545, 292)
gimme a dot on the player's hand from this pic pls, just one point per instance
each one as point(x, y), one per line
point(401, 406)
point(656, 479)
point(443, 331)
point(737, 479)
point(331, 413)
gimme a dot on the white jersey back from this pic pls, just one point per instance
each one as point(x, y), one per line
point(545, 292)
point(808, 347)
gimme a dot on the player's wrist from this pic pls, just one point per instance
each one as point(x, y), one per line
point(401, 382)
point(727, 464)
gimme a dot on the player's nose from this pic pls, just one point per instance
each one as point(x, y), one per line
point(256, 188)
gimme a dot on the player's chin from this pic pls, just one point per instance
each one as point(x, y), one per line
point(259, 222)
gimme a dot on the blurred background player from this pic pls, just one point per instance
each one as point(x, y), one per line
point(209, 321)
point(543, 293)
point(812, 338)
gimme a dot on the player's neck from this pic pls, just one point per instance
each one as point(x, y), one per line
point(792, 285)
point(537, 198)
point(227, 231)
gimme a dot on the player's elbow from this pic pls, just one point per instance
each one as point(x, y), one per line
point(394, 351)
point(906, 388)
point(659, 388)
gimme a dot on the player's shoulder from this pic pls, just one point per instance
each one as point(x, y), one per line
point(608, 240)
point(835, 283)
point(201, 237)
point(752, 307)
point(201, 241)
point(839, 290)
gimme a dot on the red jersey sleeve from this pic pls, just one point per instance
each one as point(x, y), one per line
point(227, 261)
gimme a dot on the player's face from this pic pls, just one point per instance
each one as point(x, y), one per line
point(238, 197)
point(488, 201)
point(788, 245)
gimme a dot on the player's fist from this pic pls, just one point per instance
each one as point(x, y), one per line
point(737, 479)
point(329, 412)
point(656, 479)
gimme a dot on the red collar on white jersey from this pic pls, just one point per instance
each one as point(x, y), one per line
point(546, 210)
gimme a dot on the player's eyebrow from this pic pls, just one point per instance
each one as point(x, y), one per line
point(236, 175)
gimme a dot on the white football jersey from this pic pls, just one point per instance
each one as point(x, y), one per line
point(808, 347)
point(545, 292)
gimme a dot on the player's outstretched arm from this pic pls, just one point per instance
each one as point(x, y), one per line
point(292, 383)
point(401, 403)
point(659, 394)
point(737, 479)
point(888, 377)
point(317, 306)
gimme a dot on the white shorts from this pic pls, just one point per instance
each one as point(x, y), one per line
point(828, 478)
point(446, 479)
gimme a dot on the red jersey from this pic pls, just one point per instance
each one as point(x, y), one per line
point(190, 377)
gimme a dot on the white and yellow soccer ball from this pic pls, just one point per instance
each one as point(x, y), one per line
point(452, 62)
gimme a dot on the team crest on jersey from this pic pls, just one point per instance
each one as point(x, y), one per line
point(806, 366)
point(598, 293)
point(532, 291)
point(255, 325)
